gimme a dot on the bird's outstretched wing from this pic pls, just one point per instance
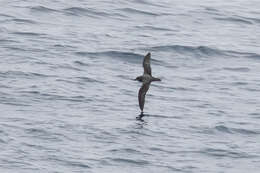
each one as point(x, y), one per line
point(146, 64)
point(141, 94)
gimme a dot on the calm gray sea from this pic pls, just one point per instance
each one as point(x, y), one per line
point(68, 103)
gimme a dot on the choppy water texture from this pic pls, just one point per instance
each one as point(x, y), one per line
point(68, 103)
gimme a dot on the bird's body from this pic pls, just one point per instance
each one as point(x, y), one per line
point(146, 79)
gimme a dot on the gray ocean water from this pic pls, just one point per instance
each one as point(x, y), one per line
point(68, 102)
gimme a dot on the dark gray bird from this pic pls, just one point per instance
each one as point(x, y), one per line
point(146, 79)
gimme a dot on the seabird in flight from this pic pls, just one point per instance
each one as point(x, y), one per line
point(146, 79)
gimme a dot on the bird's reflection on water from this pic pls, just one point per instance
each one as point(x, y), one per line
point(140, 124)
point(140, 116)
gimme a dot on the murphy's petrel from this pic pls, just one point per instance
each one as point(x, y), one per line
point(146, 79)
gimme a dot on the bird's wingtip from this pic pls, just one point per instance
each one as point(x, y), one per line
point(148, 54)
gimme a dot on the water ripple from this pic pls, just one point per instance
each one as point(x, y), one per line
point(68, 103)
point(42, 9)
point(234, 19)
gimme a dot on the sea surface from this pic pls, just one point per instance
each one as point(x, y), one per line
point(68, 101)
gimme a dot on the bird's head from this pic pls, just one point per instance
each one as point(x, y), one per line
point(139, 78)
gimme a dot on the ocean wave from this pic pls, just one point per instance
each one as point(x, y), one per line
point(70, 162)
point(14, 74)
point(111, 54)
point(211, 9)
point(225, 153)
point(138, 12)
point(14, 102)
point(256, 20)
point(187, 49)
point(223, 128)
point(42, 9)
point(234, 20)
point(6, 15)
point(81, 63)
point(129, 56)
point(128, 150)
point(237, 69)
point(88, 79)
point(28, 33)
point(204, 50)
point(79, 11)
point(239, 83)
point(249, 55)
point(245, 131)
point(146, 3)
point(129, 161)
point(24, 21)
point(252, 55)
point(59, 97)
point(153, 28)
point(231, 130)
